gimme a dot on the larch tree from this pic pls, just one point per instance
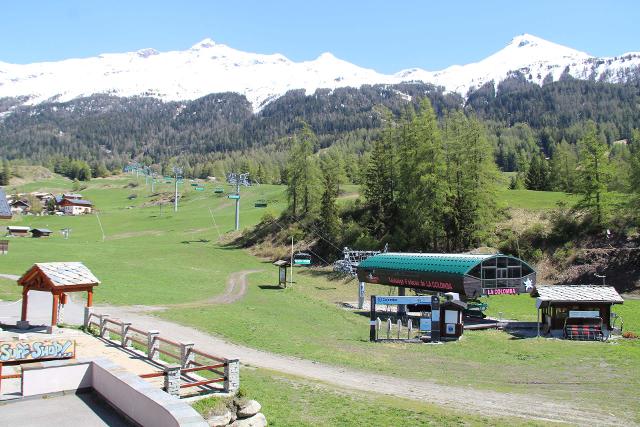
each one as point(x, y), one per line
point(594, 173)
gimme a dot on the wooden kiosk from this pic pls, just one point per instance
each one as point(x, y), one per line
point(58, 278)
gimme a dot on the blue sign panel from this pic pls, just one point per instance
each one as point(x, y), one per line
point(392, 300)
point(425, 324)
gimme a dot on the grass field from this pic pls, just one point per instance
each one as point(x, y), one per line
point(292, 401)
point(149, 255)
point(152, 256)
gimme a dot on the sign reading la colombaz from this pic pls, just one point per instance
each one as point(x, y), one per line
point(36, 350)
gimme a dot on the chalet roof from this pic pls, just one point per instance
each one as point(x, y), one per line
point(577, 293)
point(77, 202)
point(5, 209)
point(61, 274)
point(41, 230)
point(72, 196)
point(18, 228)
point(20, 202)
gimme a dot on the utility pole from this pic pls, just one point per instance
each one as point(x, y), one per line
point(178, 172)
point(291, 261)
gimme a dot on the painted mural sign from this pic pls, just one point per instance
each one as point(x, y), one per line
point(37, 350)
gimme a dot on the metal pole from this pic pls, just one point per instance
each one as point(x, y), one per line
point(291, 280)
point(175, 200)
point(238, 203)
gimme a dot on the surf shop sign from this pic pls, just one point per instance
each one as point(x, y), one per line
point(17, 351)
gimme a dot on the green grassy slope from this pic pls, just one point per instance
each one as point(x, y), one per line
point(150, 255)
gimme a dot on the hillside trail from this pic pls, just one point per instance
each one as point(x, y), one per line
point(458, 398)
point(236, 289)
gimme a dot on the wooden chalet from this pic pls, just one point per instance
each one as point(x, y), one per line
point(577, 311)
point(75, 206)
point(40, 232)
point(17, 230)
point(20, 206)
point(58, 278)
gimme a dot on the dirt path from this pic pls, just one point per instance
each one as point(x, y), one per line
point(465, 399)
point(484, 402)
point(236, 289)
point(9, 276)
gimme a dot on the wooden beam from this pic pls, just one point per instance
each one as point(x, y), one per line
point(54, 310)
point(25, 303)
point(89, 297)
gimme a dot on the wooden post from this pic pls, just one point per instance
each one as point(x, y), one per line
point(54, 310)
point(25, 303)
point(89, 297)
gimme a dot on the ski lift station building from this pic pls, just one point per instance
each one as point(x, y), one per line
point(469, 275)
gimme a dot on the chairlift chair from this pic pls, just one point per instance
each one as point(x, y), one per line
point(261, 203)
point(219, 190)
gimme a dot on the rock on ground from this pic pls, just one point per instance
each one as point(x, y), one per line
point(258, 420)
point(220, 420)
point(248, 409)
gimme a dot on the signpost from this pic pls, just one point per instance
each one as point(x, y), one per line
point(427, 324)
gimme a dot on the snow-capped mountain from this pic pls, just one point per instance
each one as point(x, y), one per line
point(208, 67)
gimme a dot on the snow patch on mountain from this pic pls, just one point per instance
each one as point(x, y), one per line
point(209, 67)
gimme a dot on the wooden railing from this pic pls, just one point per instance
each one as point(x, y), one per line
point(186, 372)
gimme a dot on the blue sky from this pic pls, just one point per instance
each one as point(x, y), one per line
point(385, 35)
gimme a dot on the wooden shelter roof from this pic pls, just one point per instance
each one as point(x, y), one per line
point(577, 293)
point(60, 274)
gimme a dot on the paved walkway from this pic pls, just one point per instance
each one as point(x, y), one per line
point(86, 410)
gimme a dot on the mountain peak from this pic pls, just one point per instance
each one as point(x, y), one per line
point(527, 40)
point(203, 44)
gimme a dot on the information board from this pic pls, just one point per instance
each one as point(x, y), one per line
point(396, 300)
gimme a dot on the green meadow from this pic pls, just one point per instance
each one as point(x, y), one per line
point(144, 253)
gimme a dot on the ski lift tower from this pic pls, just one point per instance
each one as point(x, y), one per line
point(178, 175)
point(238, 179)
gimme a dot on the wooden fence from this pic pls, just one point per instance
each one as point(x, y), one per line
point(182, 364)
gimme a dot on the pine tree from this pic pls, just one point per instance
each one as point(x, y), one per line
point(470, 182)
point(537, 174)
point(329, 220)
point(564, 161)
point(594, 173)
point(379, 183)
point(420, 185)
point(302, 173)
point(5, 176)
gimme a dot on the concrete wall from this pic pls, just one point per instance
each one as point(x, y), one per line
point(55, 376)
point(132, 396)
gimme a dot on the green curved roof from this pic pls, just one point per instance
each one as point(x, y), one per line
point(436, 263)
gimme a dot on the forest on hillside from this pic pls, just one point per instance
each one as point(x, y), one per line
point(219, 132)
